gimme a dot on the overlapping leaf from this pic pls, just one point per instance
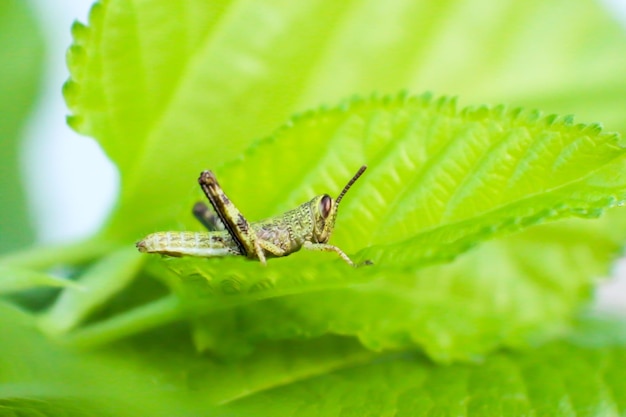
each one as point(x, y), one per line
point(330, 376)
point(171, 88)
point(440, 180)
point(503, 292)
point(557, 380)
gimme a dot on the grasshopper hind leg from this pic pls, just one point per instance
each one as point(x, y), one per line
point(207, 218)
point(232, 219)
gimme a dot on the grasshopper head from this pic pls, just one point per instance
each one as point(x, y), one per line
point(325, 211)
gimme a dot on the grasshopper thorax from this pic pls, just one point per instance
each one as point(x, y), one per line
point(324, 210)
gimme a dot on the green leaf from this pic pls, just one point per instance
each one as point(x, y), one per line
point(22, 57)
point(561, 379)
point(99, 283)
point(505, 292)
point(160, 375)
point(157, 375)
point(39, 378)
point(440, 181)
point(43, 407)
point(14, 279)
point(195, 82)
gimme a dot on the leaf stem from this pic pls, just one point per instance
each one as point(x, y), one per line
point(44, 257)
point(157, 313)
point(100, 281)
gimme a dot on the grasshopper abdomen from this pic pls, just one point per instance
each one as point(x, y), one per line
point(203, 244)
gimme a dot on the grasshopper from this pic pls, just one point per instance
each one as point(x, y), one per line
point(229, 233)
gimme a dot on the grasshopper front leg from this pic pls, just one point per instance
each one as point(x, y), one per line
point(234, 222)
point(325, 247)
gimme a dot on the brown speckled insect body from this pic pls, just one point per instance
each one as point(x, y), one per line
point(308, 226)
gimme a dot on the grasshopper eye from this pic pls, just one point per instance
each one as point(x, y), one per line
point(326, 204)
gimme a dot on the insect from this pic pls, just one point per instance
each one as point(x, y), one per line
point(308, 226)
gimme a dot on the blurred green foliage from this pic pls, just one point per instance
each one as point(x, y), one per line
point(21, 58)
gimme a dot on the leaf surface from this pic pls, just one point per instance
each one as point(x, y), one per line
point(440, 181)
point(14, 279)
point(170, 89)
point(330, 376)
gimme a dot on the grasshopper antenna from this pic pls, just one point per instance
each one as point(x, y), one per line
point(349, 184)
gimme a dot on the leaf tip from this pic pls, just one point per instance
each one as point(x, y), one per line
point(75, 59)
point(70, 93)
point(592, 128)
point(568, 119)
point(75, 122)
point(80, 32)
point(447, 104)
point(96, 13)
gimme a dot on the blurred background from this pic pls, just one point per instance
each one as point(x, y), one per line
point(69, 186)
